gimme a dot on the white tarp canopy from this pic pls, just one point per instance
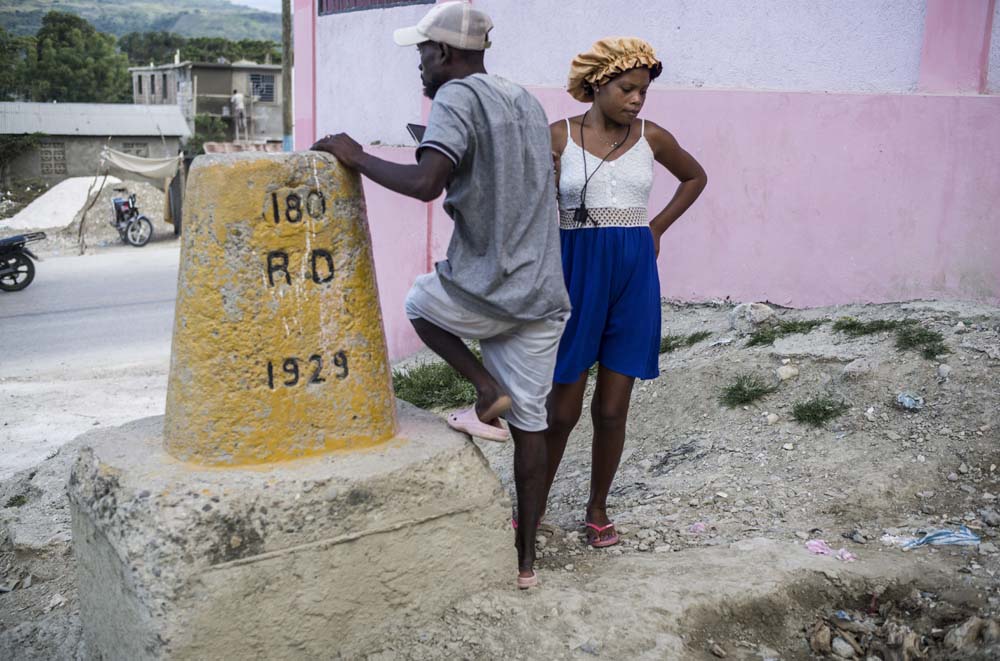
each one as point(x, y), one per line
point(151, 168)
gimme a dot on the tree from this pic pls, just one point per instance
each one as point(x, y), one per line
point(12, 146)
point(76, 63)
point(210, 49)
point(206, 129)
point(16, 55)
point(145, 47)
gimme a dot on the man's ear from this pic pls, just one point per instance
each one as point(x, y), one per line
point(446, 53)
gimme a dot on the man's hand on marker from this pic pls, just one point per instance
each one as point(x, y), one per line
point(343, 146)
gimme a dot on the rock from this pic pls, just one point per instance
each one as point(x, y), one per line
point(788, 446)
point(987, 547)
point(991, 632)
point(963, 637)
point(717, 650)
point(959, 327)
point(772, 418)
point(870, 414)
point(591, 647)
point(990, 517)
point(820, 639)
point(860, 367)
point(892, 436)
point(745, 317)
point(569, 567)
point(842, 648)
point(963, 468)
point(56, 601)
point(802, 534)
point(944, 371)
point(786, 372)
point(953, 477)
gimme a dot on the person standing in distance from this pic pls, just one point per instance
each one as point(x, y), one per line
point(487, 141)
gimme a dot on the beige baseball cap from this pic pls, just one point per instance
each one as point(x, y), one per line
point(457, 24)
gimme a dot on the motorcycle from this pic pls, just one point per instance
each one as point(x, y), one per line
point(134, 228)
point(16, 268)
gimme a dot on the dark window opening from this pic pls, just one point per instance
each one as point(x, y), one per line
point(139, 78)
point(164, 86)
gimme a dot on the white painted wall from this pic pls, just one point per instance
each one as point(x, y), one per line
point(370, 87)
point(993, 79)
point(365, 83)
point(816, 45)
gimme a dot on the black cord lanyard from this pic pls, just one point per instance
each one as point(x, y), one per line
point(581, 215)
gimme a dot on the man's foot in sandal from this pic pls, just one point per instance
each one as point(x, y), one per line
point(601, 536)
point(466, 420)
point(491, 405)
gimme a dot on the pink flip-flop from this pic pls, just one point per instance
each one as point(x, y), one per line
point(595, 537)
point(525, 582)
point(466, 420)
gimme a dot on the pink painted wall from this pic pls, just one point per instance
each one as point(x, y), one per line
point(956, 46)
point(822, 199)
point(304, 72)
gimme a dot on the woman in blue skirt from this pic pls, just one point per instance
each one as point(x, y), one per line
point(604, 166)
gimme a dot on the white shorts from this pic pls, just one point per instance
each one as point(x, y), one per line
point(520, 355)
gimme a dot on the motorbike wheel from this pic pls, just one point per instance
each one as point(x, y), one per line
point(139, 232)
point(24, 272)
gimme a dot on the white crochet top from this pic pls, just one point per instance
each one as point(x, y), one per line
point(617, 195)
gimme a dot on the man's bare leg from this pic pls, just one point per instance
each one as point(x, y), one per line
point(454, 352)
point(530, 456)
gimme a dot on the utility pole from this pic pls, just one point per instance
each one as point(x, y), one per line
point(286, 74)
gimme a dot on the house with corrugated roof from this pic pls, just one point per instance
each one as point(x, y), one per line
point(73, 135)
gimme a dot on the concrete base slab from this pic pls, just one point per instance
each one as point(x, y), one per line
point(314, 558)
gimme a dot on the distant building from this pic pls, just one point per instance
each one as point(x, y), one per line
point(205, 89)
point(75, 134)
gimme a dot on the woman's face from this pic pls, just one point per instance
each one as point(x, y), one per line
point(622, 97)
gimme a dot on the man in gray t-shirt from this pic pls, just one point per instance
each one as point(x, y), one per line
point(487, 142)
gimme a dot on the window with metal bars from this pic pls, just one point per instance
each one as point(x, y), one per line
point(262, 85)
point(343, 6)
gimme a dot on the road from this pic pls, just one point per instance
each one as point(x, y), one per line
point(86, 344)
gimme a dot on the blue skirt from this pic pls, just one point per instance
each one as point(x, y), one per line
point(614, 287)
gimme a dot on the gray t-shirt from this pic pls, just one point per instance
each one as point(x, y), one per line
point(504, 259)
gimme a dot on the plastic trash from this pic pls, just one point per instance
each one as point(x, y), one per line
point(962, 537)
point(820, 547)
point(909, 402)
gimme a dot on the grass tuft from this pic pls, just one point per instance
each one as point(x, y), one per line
point(434, 385)
point(673, 342)
point(766, 336)
point(818, 411)
point(930, 343)
point(695, 338)
point(747, 388)
point(857, 328)
point(16, 501)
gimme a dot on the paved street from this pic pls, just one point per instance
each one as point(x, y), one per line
point(86, 344)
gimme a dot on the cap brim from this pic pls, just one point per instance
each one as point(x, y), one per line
point(408, 36)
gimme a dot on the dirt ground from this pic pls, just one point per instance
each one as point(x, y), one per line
point(715, 507)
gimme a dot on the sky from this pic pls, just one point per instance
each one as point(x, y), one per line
point(265, 5)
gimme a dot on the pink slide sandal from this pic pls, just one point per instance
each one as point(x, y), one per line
point(467, 421)
point(526, 582)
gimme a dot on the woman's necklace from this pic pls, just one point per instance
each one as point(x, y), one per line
point(612, 144)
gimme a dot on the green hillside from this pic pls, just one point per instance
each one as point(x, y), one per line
point(191, 18)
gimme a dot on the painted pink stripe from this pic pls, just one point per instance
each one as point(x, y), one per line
point(955, 54)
